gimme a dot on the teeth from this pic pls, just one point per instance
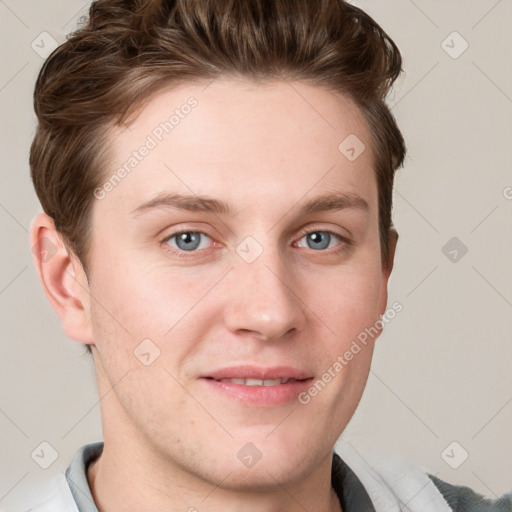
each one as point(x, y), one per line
point(257, 382)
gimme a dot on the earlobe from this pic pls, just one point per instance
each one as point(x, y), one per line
point(63, 279)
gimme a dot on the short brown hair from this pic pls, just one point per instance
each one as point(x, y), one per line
point(128, 50)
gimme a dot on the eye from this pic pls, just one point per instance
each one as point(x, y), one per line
point(187, 241)
point(319, 240)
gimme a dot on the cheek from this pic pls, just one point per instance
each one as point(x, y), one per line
point(141, 300)
point(348, 313)
point(348, 300)
point(159, 310)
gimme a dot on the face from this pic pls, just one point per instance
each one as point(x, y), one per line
point(262, 275)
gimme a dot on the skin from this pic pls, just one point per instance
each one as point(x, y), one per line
point(171, 443)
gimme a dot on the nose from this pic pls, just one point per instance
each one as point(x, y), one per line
point(262, 299)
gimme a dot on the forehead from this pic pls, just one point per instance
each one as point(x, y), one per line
point(235, 137)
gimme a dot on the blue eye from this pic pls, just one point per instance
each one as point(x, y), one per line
point(186, 243)
point(187, 240)
point(318, 240)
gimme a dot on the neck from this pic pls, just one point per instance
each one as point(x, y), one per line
point(124, 483)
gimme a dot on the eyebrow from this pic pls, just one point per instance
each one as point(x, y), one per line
point(190, 202)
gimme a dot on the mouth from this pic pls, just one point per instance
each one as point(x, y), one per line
point(258, 382)
point(257, 386)
point(254, 392)
point(254, 375)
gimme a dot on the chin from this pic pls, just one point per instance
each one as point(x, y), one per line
point(261, 462)
point(263, 477)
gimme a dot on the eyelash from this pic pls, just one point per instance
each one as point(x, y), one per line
point(345, 242)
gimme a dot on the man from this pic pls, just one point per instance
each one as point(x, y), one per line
point(217, 185)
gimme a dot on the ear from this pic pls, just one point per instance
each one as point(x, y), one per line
point(392, 243)
point(386, 269)
point(63, 278)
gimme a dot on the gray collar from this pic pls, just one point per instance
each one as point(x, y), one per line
point(76, 476)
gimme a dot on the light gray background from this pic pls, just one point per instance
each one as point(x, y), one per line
point(441, 371)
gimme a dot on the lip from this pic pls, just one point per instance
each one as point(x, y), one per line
point(258, 372)
point(258, 396)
